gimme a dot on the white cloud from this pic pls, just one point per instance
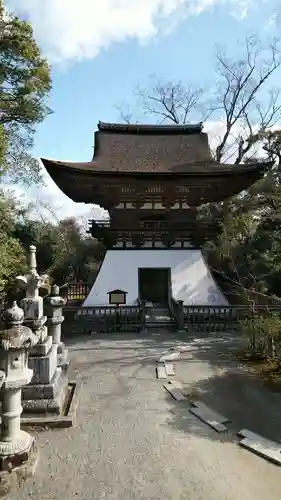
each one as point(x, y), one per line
point(49, 203)
point(69, 30)
point(273, 21)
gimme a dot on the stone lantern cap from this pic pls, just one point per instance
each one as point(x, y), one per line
point(54, 299)
point(13, 316)
point(16, 336)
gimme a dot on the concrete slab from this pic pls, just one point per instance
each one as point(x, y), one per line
point(270, 450)
point(161, 372)
point(246, 433)
point(175, 392)
point(179, 385)
point(170, 369)
point(169, 356)
point(261, 449)
point(209, 418)
point(220, 418)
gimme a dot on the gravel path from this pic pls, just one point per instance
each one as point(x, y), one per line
point(127, 443)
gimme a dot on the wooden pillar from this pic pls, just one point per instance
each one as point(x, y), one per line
point(181, 328)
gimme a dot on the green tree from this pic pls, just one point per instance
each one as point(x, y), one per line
point(25, 83)
point(12, 255)
point(78, 256)
point(63, 251)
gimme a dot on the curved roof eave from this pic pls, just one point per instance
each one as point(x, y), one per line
point(207, 169)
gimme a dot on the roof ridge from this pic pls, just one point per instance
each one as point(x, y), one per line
point(150, 129)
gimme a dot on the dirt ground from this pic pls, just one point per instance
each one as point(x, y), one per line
point(211, 372)
point(133, 441)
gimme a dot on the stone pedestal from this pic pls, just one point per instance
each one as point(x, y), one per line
point(53, 309)
point(48, 388)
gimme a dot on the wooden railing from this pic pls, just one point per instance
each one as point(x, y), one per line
point(173, 309)
point(109, 319)
point(75, 291)
point(223, 319)
point(208, 319)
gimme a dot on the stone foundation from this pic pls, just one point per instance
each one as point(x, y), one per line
point(46, 398)
point(10, 479)
point(43, 367)
point(63, 360)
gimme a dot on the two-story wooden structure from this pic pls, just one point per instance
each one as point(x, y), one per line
point(151, 179)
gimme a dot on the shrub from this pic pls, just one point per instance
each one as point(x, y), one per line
point(263, 332)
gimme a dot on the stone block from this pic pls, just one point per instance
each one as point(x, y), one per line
point(63, 357)
point(44, 391)
point(43, 367)
point(42, 349)
point(33, 307)
point(52, 405)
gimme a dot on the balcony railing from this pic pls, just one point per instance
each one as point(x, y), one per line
point(183, 226)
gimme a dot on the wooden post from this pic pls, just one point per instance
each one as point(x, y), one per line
point(180, 315)
point(253, 327)
point(143, 320)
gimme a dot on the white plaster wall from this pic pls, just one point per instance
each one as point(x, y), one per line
point(191, 278)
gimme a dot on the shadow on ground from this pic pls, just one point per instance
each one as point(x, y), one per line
point(209, 370)
point(229, 388)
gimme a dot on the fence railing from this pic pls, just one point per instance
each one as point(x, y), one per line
point(208, 319)
point(105, 319)
point(75, 291)
point(223, 319)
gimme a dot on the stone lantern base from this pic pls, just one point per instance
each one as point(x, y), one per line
point(18, 467)
point(17, 452)
point(46, 398)
point(49, 385)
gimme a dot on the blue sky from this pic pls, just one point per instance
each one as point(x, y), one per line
point(101, 50)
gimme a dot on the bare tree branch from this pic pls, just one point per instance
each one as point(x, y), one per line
point(244, 101)
point(170, 101)
point(241, 82)
point(126, 113)
point(167, 102)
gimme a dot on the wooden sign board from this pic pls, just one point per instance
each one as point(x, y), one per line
point(117, 297)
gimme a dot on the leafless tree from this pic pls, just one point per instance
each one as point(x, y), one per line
point(170, 101)
point(242, 101)
point(164, 102)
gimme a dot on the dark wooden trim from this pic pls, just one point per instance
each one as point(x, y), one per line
point(203, 169)
point(147, 129)
point(154, 248)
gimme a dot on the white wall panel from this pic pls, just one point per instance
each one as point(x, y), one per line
point(191, 278)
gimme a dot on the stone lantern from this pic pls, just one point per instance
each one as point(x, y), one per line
point(46, 392)
point(54, 312)
point(15, 342)
point(32, 304)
